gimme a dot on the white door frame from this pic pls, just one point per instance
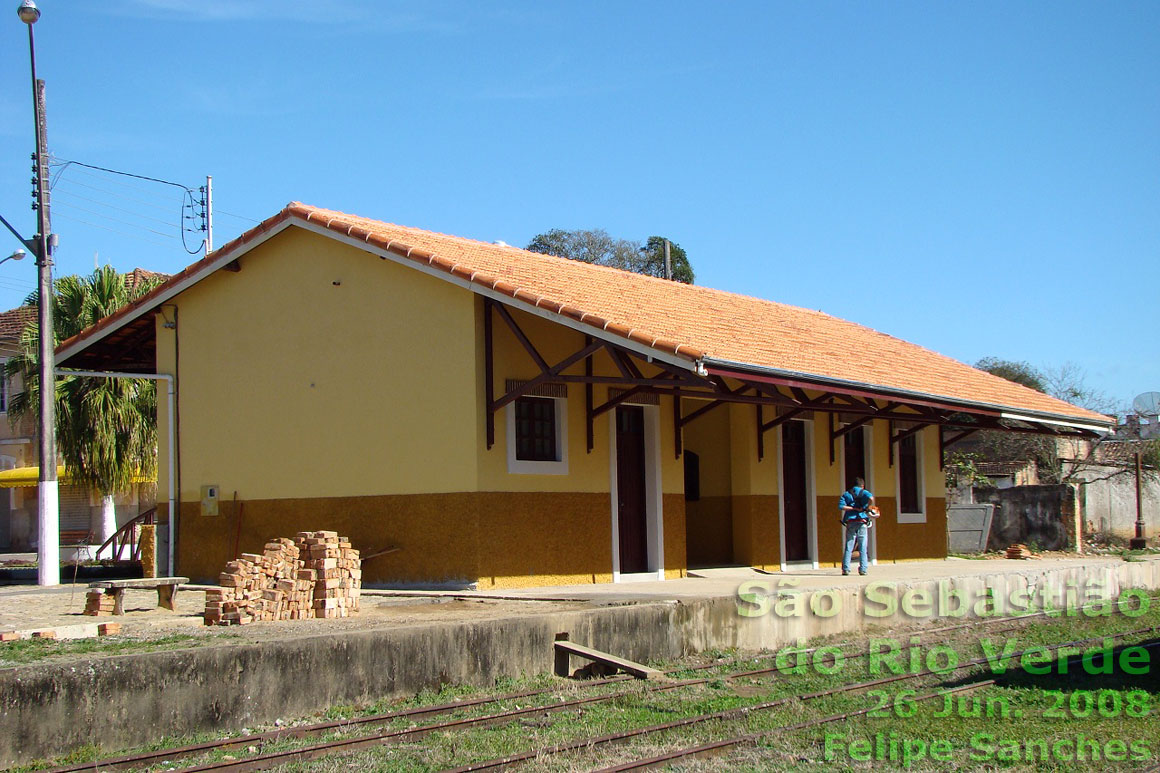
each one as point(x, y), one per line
point(654, 501)
point(867, 462)
point(811, 500)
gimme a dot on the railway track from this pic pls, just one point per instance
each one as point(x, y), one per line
point(263, 761)
point(736, 714)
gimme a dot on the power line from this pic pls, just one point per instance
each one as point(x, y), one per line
point(117, 209)
point(114, 230)
point(239, 217)
point(188, 201)
point(66, 164)
point(116, 220)
point(114, 194)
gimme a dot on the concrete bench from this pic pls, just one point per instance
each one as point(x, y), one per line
point(166, 588)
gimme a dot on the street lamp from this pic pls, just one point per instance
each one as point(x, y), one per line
point(18, 255)
point(48, 547)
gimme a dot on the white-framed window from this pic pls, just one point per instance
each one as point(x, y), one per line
point(911, 490)
point(537, 435)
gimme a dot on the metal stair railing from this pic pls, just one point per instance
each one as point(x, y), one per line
point(128, 536)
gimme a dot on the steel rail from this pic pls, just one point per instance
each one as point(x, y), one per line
point(262, 739)
point(740, 713)
point(716, 747)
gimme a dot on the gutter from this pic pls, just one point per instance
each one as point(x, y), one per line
point(723, 367)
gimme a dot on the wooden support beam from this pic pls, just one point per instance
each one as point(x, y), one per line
point(488, 373)
point(564, 649)
point(832, 438)
point(904, 434)
point(760, 434)
point(612, 402)
point(506, 316)
point(890, 444)
point(590, 433)
point(546, 375)
point(945, 439)
point(701, 411)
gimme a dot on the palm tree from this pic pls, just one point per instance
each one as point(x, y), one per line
point(106, 428)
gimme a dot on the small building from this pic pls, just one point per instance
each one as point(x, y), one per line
point(507, 418)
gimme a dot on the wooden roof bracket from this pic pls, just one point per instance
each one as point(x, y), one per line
point(764, 426)
point(945, 440)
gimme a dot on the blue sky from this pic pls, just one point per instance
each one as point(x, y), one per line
point(981, 179)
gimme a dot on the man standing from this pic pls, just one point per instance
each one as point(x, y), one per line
point(853, 506)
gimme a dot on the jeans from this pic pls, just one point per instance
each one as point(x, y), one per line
point(856, 535)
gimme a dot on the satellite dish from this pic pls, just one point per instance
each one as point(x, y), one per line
point(1147, 404)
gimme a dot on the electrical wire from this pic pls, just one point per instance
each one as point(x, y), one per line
point(116, 220)
point(116, 231)
point(71, 195)
point(187, 201)
point(239, 217)
point(116, 195)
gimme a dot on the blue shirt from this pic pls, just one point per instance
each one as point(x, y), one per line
point(857, 498)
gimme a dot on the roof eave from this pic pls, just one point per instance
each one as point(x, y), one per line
point(1001, 411)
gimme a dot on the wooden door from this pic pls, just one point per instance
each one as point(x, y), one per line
point(631, 503)
point(794, 491)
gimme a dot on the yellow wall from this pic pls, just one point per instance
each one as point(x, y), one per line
point(332, 389)
point(319, 370)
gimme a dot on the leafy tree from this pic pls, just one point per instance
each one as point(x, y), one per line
point(597, 246)
point(1066, 382)
point(654, 263)
point(1019, 372)
point(106, 428)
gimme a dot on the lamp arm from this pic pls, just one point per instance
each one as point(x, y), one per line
point(31, 245)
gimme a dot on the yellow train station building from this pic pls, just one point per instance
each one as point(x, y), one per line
point(506, 418)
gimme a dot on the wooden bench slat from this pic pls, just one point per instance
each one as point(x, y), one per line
point(148, 583)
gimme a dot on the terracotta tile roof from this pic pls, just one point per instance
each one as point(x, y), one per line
point(140, 276)
point(13, 322)
point(689, 321)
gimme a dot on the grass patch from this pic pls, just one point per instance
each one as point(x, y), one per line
point(26, 651)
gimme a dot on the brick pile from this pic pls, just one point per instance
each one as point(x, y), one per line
point(1018, 552)
point(97, 602)
point(316, 575)
point(337, 570)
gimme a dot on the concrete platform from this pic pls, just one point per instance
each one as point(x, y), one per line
point(30, 608)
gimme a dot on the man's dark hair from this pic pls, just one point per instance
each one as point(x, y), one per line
point(856, 483)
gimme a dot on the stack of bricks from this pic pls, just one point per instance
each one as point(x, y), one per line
point(337, 569)
point(317, 575)
point(98, 603)
point(1018, 551)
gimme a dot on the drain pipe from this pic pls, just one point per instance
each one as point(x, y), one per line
point(172, 438)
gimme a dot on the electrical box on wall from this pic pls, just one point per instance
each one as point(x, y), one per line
point(209, 500)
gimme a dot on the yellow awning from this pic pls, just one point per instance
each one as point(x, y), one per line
point(30, 476)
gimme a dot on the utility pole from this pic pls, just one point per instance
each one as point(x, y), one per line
point(668, 261)
point(208, 214)
point(1138, 542)
point(48, 509)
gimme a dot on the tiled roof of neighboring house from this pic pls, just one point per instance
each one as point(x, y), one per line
point(1003, 468)
point(13, 322)
point(1121, 452)
point(691, 322)
point(139, 276)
